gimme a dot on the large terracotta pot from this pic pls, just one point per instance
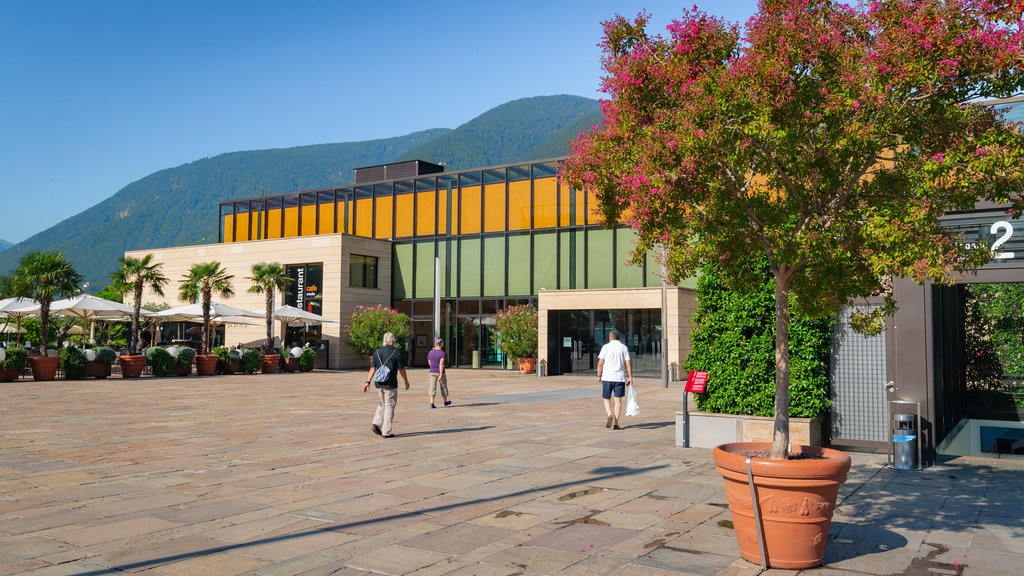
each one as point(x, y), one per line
point(526, 365)
point(132, 365)
point(269, 364)
point(796, 499)
point(95, 369)
point(291, 365)
point(44, 367)
point(206, 364)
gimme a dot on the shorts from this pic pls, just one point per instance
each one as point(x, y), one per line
point(610, 388)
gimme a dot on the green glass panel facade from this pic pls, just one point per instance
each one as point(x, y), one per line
point(424, 270)
point(519, 265)
point(494, 266)
point(469, 267)
point(626, 275)
point(402, 274)
point(601, 257)
point(545, 265)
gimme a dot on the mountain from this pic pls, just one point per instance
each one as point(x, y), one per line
point(178, 206)
point(4, 245)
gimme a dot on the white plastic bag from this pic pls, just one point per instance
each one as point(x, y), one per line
point(632, 406)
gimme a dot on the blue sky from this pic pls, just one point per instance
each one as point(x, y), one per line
point(96, 94)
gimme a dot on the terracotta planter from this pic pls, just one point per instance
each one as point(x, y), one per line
point(233, 366)
point(180, 370)
point(44, 368)
point(206, 364)
point(94, 369)
point(9, 374)
point(269, 365)
point(132, 365)
point(291, 365)
point(527, 365)
point(796, 499)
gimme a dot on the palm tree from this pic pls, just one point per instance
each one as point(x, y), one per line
point(43, 276)
point(132, 276)
point(200, 283)
point(266, 278)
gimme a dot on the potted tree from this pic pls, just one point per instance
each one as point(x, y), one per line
point(201, 282)
point(99, 361)
point(251, 360)
point(516, 328)
point(74, 361)
point(43, 276)
point(268, 277)
point(12, 362)
point(825, 138)
point(183, 359)
point(368, 324)
point(132, 277)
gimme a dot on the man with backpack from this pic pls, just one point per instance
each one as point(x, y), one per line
point(384, 369)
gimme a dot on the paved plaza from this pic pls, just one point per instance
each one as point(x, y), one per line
point(281, 475)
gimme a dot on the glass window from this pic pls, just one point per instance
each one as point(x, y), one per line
point(494, 266)
point(545, 203)
point(545, 271)
point(291, 217)
point(469, 267)
point(424, 284)
point(362, 271)
point(469, 210)
point(519, 205)
point(519, 264)
point(600, 259)
point(494, 207)
point(626, 275)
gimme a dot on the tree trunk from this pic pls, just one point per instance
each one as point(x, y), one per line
point(780, 438)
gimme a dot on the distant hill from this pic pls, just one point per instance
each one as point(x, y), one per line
point(178, 206)
point(4, 245)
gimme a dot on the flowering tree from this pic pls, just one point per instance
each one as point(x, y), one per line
point(368, 324)
point(826, 137)
point(517, 331)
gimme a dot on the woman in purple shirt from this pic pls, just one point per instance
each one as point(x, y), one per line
point(435, 359)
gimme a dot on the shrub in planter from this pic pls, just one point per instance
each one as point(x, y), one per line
point(517, 331)
point(13, 363)
point(183, 364)
point(251, 361)
point(105, 355)
point(307, 359)
point(160, 361)
point(73, 360)
point(368, 324)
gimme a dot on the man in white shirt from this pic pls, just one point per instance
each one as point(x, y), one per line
point(615, 371)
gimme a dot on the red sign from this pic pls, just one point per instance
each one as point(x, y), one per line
point(696, 381)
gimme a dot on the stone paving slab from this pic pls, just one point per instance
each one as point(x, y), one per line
point(280, 475)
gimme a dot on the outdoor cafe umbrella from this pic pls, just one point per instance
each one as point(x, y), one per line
point(91, 309)
point(18, 308)
point(288, 314)
point(194, 313)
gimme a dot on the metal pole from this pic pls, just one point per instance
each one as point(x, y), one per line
point(664, 323)
point(686, 420)
point(437, 299)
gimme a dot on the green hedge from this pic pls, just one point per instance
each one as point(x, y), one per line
point(733, 339)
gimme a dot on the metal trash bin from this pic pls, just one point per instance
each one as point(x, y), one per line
point(904, 441)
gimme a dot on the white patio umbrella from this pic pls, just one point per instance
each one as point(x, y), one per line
point(11, 329)
point(91, 308)
point(194, 312)
point(289, 314)
point(18, 308)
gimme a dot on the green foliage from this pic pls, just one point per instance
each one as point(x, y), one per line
point(160, 361)
point(203, 281)
point(268, 278)
point(251, 360)
point(827, 138)
point(73, 361)
point(44, 276)
point(307, 359)
point(516, 328)
point(15, 358)
point(186, 355)
point(105, 355)
point(133, 275)
point(733, 339)
point(367, 326)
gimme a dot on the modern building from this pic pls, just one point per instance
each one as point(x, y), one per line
point(450, 249)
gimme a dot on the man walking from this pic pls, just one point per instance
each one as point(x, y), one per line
point(615, 371)
point(388, 360)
